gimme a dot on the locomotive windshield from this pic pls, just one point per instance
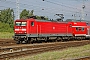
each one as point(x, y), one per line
point(20, 23)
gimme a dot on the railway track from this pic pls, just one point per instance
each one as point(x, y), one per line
point(7, 53)
point(7, 42)
point(83, 58)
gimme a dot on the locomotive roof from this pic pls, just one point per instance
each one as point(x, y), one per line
point(68, 20)
point(51, 21)
point(63, 21)
point(74, 20)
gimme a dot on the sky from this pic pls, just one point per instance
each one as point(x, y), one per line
point(71, 9)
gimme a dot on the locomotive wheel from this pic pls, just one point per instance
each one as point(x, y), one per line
point(28, 41)
point(58, 39)
point(17, 42)
point(46, 39)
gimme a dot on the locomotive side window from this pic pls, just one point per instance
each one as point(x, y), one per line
point(32, 23)
point(79, 29)
point(76, 28)
point(82, 29)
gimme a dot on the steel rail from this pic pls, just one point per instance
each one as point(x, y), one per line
point(33, 49)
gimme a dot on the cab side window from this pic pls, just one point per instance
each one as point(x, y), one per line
point(76, 28)
point(82, 29)
point(32, 23)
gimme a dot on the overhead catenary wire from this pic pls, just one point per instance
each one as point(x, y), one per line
point(31, 5)
point(62, 5)
point(48, 9)
point(36, 6)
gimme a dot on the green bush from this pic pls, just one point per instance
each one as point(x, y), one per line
point(6, 35)
point(5, 27)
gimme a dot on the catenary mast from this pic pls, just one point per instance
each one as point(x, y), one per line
point(17, 9)
point(83, 7)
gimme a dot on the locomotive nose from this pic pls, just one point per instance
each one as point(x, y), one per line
point(20, 27)
point(20, 31)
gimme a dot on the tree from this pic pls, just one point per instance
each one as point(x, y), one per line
point(7, 19)
point(7, 16)
point(42, 17)
point(0, 15)
point(24, 14)
point(10, 17)
point(31, 13)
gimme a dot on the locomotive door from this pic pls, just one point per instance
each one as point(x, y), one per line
point(33, 29)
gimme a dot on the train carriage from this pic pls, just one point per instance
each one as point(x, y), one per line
point(27, 29)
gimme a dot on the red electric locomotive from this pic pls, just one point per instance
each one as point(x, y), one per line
point(30, 30)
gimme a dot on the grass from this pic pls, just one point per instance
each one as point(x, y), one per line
point(6, 35)
point(69, 53)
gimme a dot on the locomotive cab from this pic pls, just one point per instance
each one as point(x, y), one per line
point(23, 30)
point(79, 28)
point(20, 30)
